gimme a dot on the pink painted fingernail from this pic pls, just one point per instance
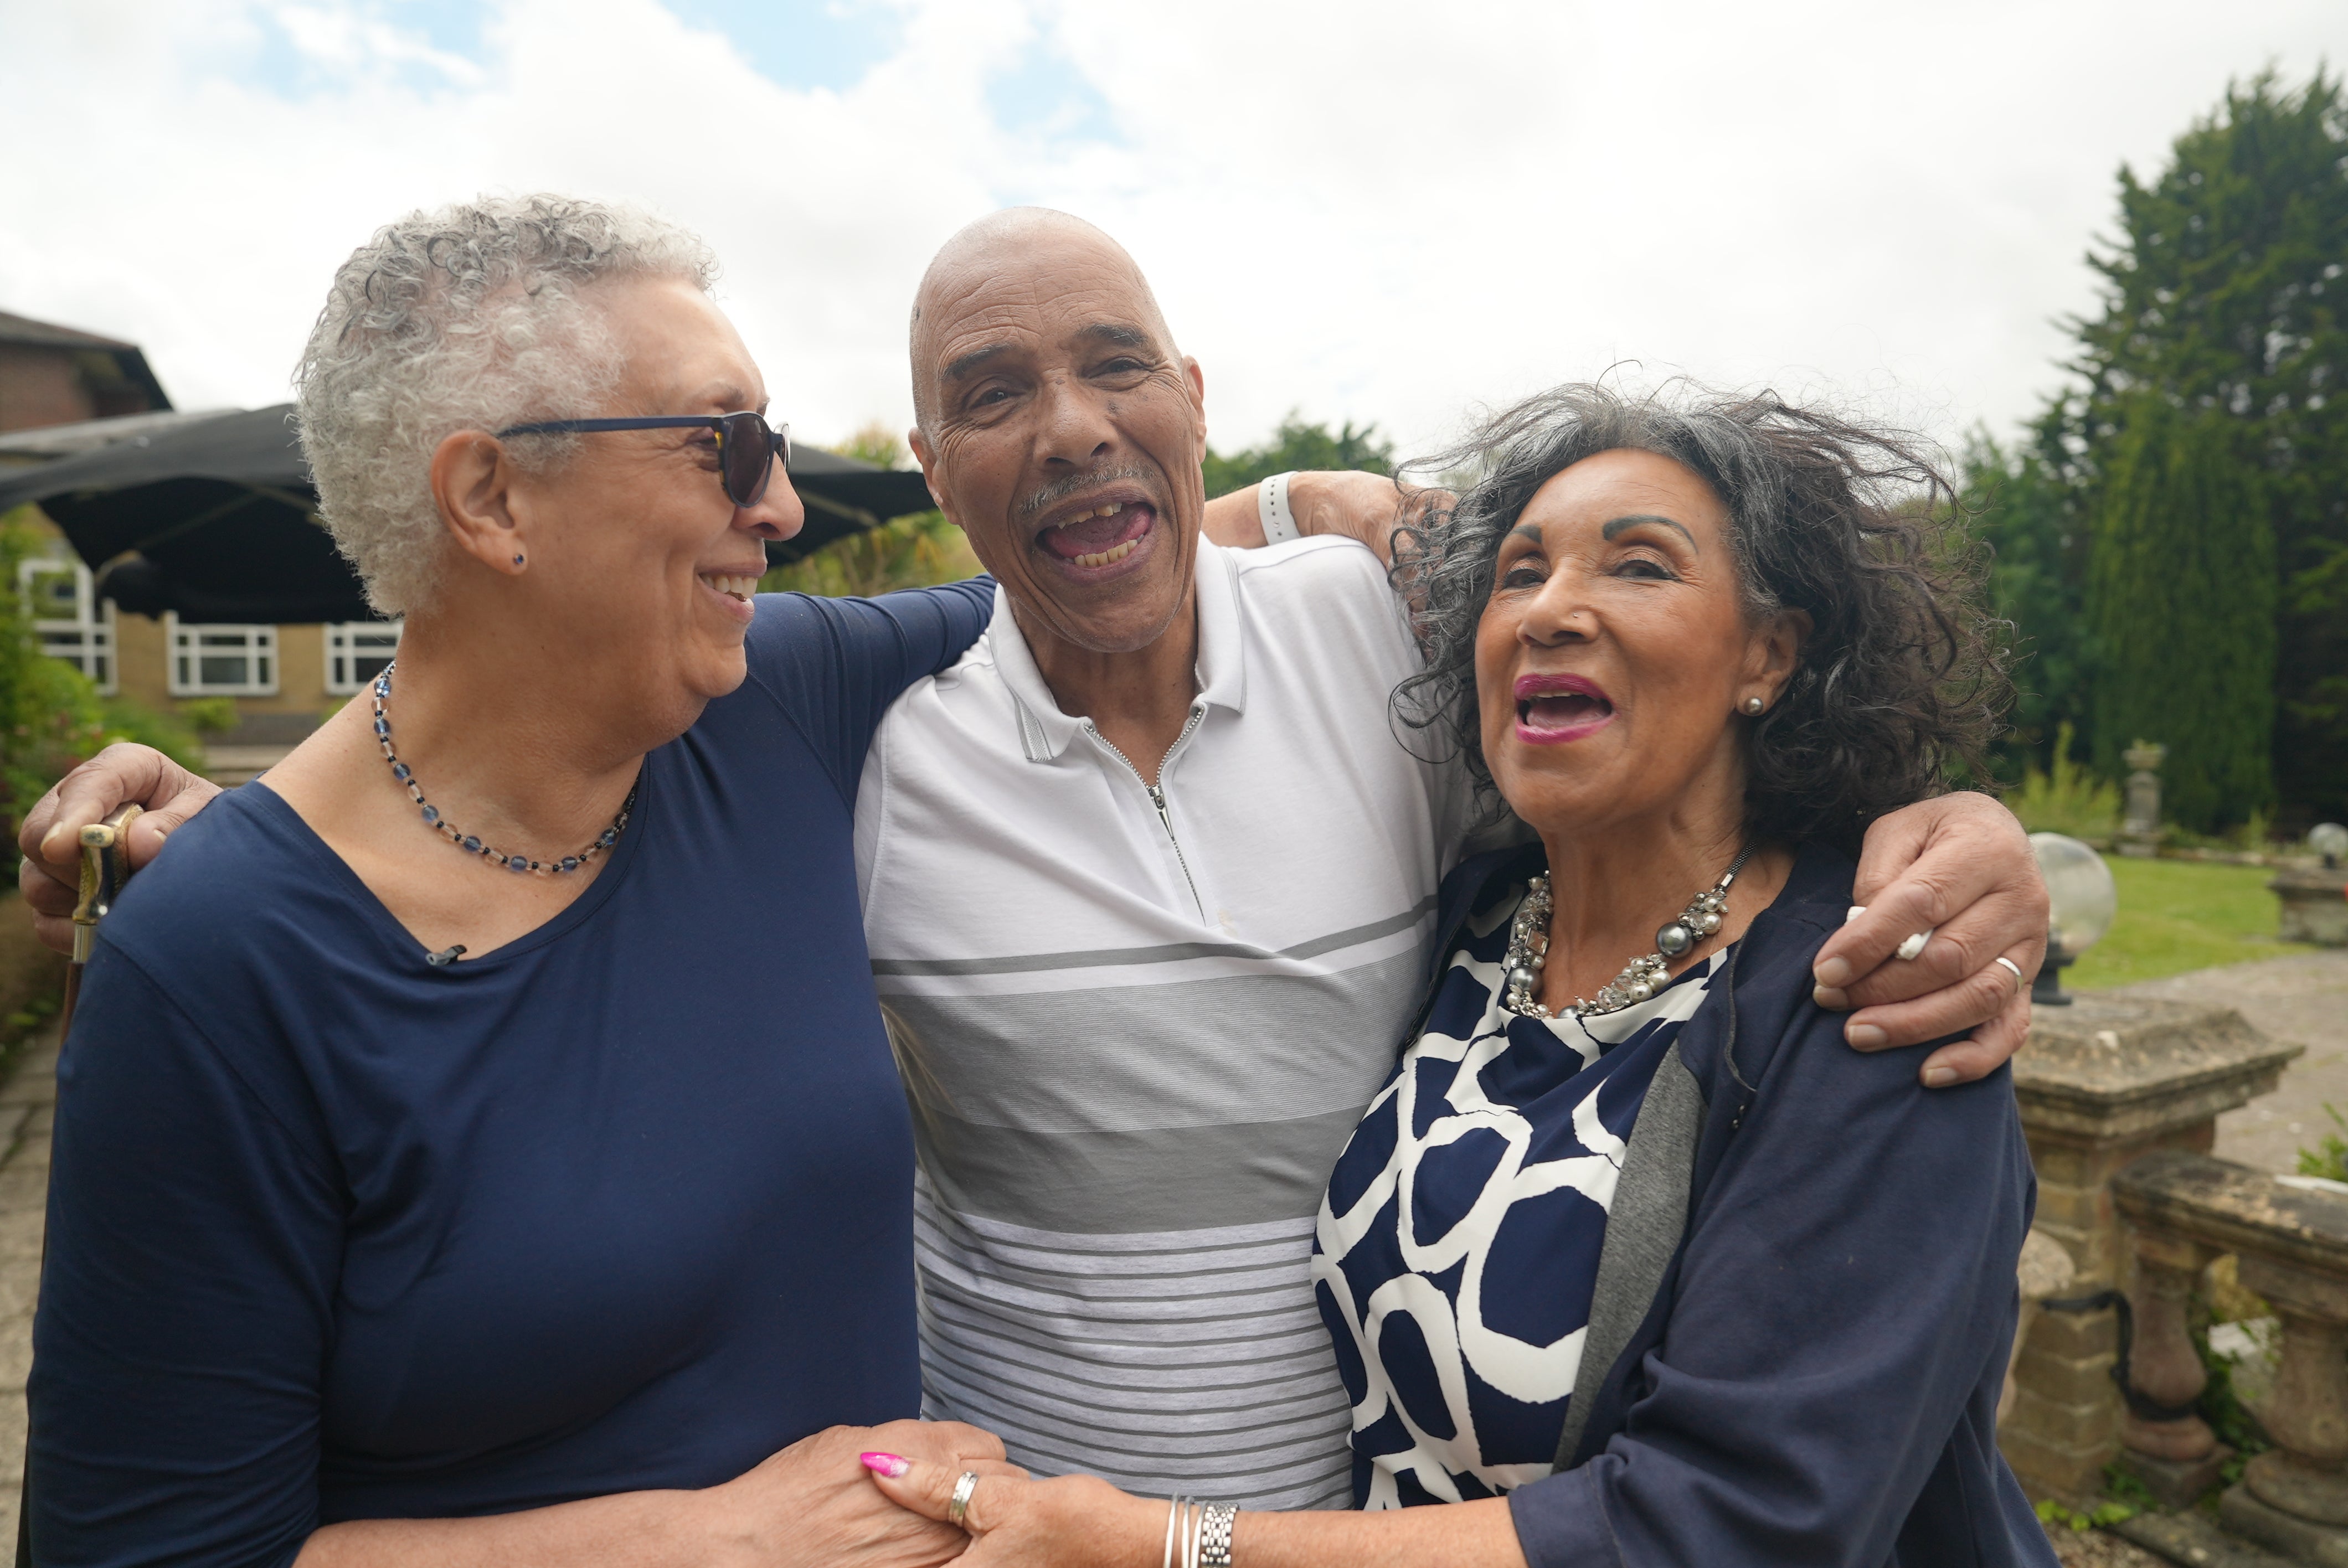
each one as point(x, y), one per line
point(890, 1465)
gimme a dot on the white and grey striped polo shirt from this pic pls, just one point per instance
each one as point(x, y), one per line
point(1136, 1044)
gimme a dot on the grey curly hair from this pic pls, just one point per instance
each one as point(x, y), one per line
point(466, 317)
point(1900, 678)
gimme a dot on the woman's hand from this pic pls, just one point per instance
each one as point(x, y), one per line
point(1073, 1521)
point(808, 1506)
point(811, 1503)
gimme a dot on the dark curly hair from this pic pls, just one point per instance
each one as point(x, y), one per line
point(1900, 679)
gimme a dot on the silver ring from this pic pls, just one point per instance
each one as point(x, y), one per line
point(2011, 965)
point(959, 1504)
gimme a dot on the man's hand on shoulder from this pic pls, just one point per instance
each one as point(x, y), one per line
point(1345, 502)
point(50, 873)
point(1959, 867)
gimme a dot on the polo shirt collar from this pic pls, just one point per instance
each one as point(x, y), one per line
point(1045, 732)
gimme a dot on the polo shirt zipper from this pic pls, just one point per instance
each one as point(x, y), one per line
point(1158, 795)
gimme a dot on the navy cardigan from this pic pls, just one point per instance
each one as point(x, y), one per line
point(1807, 1366)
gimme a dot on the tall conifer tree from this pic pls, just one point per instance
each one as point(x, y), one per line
point(2181, 598)
point(2224, 295)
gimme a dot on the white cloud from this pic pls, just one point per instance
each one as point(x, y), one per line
point(1365, 208)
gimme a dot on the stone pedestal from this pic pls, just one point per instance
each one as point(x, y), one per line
point(2315, 904)
point(2140, 824)
point(2102, 1083)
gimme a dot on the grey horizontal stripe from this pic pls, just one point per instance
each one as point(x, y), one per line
point(978, 1283)
point(993, 1404)
point(1016, 1329)
point(1152, 1180)
point(1167, 953)
point(1141, 1336)
point(1258, 1258)
point(1186, 1054)
point(1302, 1363)
point(1294, 1234)
point(1310, 1394)
point(956, 1224)
point(1187, 1427)
point(1282, 1267)
point(1067, 1317)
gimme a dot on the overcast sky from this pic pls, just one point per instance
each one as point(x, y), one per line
point(1358, 208)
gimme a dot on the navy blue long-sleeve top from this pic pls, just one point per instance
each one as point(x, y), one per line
point(335, 1233)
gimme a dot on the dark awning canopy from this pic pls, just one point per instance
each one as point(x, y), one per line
point(214, 518)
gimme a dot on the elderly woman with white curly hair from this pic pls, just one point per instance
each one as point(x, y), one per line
point(455, 1159)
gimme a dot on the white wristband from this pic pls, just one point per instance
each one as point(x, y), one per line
point(1271, 508)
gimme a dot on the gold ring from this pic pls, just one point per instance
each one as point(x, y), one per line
point(2017, 968)
point(959, 1504)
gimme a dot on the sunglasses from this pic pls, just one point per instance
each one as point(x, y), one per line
point(747, 446)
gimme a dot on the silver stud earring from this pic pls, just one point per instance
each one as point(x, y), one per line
point(1752, 705)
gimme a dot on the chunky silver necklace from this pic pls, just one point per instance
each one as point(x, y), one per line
point(467, 842)
point(1641, 978)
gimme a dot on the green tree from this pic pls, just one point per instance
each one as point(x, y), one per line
point(51, 716)
point(2017, 501)
point(2181, 601)
point(1296, 444)
point(2222, 295)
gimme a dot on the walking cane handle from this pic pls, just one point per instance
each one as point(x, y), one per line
point(105, 867)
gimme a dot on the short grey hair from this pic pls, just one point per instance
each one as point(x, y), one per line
point(461, 318)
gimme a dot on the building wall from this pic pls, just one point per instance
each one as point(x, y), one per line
point(145, 652)
point(41, 386)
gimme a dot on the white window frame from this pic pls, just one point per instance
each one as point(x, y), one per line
point(343, 647)
point(183, 656)
point(86, 638)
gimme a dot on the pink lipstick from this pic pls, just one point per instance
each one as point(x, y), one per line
point(1552, 709)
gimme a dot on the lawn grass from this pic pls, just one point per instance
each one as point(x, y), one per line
point(2179, 915)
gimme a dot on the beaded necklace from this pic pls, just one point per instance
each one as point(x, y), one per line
point(1639, 979)
point(465, 841)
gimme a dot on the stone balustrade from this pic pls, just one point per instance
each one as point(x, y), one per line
point(2105, 1082)
point(2314, 903)
point(2183, 1210)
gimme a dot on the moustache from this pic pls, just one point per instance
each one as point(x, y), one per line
point(1059, 490)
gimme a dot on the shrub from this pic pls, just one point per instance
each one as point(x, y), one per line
point(2070, 800)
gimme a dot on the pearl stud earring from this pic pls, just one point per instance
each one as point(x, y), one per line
point(1752, 704)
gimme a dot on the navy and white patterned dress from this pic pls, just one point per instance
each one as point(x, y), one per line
point(1457, 1245)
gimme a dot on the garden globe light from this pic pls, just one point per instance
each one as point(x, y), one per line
point(2081, 900)
point(2330, 840)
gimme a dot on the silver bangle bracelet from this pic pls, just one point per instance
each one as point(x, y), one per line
point(1215, 1534)
point(1173, 1512)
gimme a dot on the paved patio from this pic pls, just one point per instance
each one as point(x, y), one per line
point(2303, 998)
point(27, 1105)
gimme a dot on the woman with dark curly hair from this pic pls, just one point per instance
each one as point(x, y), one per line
point(1632, 1261)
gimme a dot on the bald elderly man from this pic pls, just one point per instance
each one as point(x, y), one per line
point(1149, 887)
